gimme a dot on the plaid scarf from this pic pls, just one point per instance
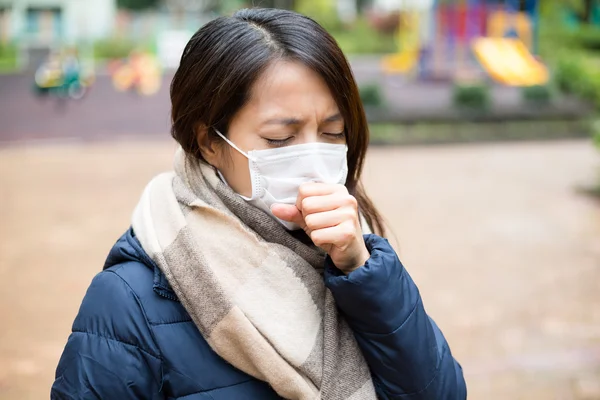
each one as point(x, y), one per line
point(254, 291)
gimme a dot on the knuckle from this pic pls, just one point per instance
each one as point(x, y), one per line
point(310, 221)
point(351, 201)
point(316, 238)
point(303, 189)
point(350, 214)
point(307, 204)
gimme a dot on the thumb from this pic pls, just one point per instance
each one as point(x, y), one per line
point(289, 213)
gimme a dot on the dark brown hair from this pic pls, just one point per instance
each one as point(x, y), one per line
point(226, 56)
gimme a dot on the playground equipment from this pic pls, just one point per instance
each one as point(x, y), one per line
point(510, 62)
point(140, 73)
point(463, 36)
point(61, 75)
point(409, 42)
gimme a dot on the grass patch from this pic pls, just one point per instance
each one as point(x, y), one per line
point(465, 132)
point(363, 39)
point(117, 48)
point(8, 58)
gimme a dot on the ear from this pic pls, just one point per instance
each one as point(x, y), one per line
point(208, 149)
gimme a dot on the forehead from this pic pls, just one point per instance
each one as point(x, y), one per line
point(291, 87)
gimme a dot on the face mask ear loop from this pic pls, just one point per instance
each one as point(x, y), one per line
point(242, 152)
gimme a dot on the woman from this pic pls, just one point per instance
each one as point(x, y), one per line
point(246, 274)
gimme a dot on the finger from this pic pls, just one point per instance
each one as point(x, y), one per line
point(289, 213)
point(320, 189)
point(339, 236)
point(328, 218)
point(312, 189)
point(317, 204)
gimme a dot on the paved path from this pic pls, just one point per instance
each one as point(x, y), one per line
point(504, 249)
point(103, 114)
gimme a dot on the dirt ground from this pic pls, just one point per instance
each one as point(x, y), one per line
point(505, 250)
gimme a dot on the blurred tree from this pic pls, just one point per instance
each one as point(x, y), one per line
point(184, 6)
point(587, 11)
point(228, 7)
point(137, 4)
point(283, 4)
point(322, 11)
point(582, 8)
point(315, 7)
point(361, 5)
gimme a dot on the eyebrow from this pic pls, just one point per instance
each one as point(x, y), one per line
point(334, 118)
point(297, 121)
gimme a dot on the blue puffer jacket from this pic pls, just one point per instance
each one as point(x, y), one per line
point(132, 339)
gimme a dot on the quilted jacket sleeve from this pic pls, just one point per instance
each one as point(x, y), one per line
point(110, 353)
point(408, 356)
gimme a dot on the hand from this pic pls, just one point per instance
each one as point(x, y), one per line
point(329, 215)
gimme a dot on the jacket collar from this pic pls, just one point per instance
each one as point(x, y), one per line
point(160, 284)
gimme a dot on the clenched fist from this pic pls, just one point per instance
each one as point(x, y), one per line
point(329, 215)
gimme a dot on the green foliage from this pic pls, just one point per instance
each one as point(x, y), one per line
point(587, 37)
point(471, 96)
point(556, 34)
point(573, 54)
point(8, 57)
point(371, 95)
point(322, 11)
point(596, 132)
point(113, 48)
point(561, 8)
point(228, 7)
point(358, 38)
point(541, 94)
point(7, 50)
point(430, 132)
point(579, 76)
point(570, 74)
point(137, 4)
point(363, 39)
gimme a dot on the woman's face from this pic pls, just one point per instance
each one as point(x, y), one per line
point(289, 104)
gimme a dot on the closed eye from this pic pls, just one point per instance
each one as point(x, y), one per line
point(278, 142)
point(340, 135)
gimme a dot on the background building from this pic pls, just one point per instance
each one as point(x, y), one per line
point(36, 26)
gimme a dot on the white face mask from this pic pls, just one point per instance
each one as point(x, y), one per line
point(276, 174)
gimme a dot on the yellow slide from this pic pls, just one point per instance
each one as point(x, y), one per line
point(400, 62)
point(410, 45)
point(509, 61)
